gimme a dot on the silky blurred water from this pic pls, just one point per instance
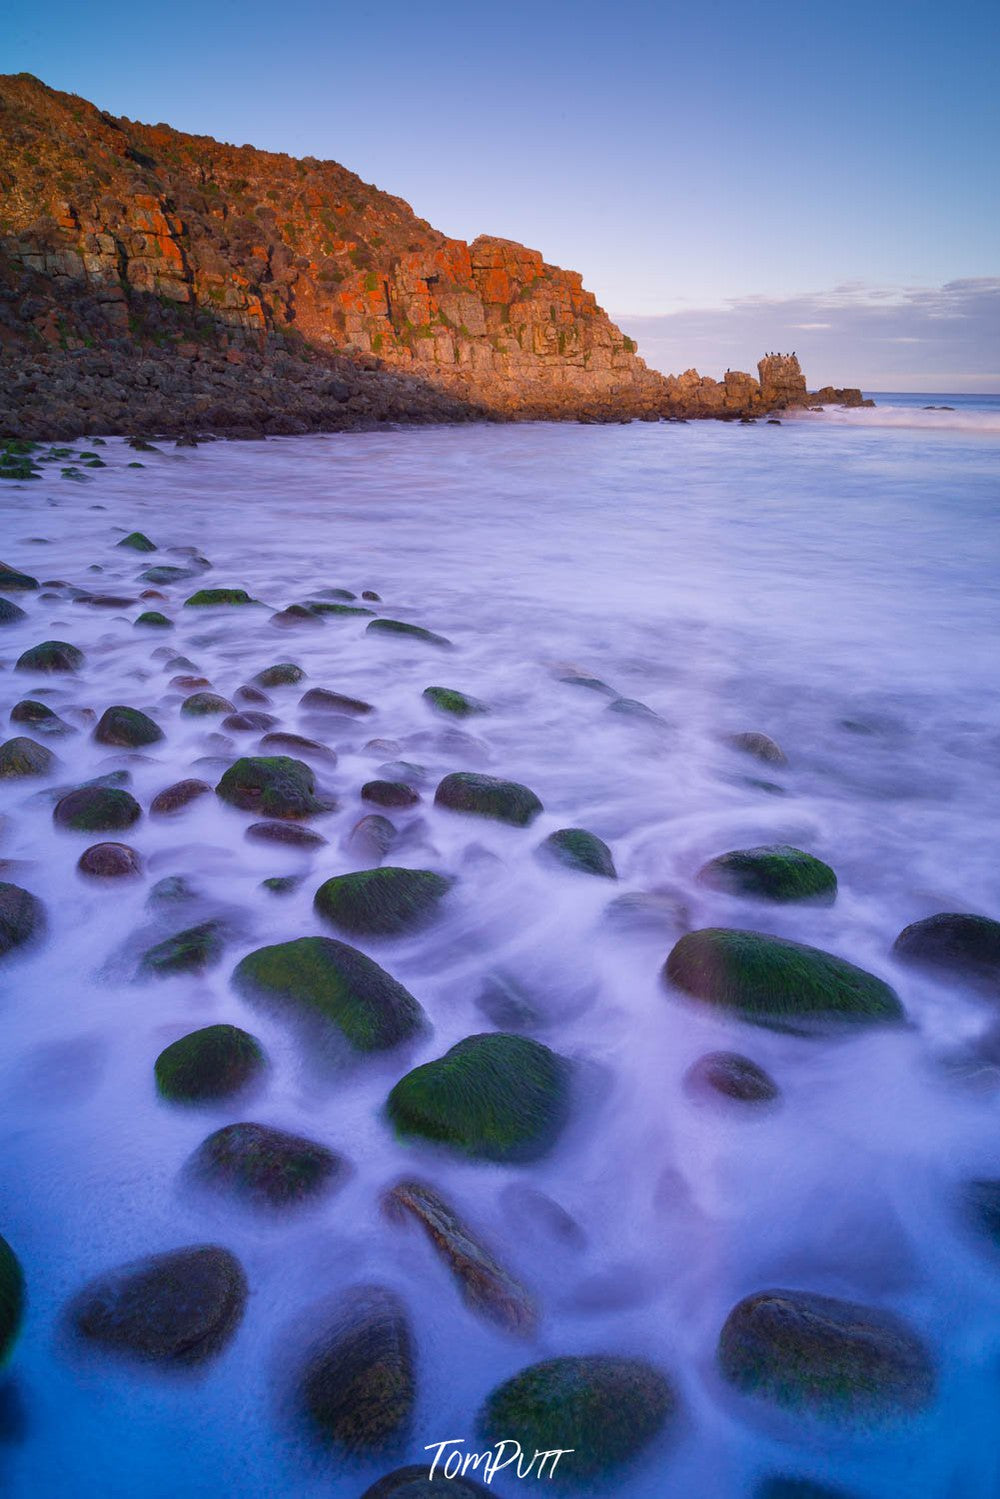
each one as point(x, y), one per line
point(832, 582)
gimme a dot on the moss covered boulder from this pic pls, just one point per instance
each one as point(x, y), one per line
point(733, 1076)
point(214, 1062)
point(137, 541)
point(358, 1385)
point(97, 809)
point(414, 1482)
point(271, 786)
point(322, 979)
point(456, 704)
point(774, 871)
point(495, 1096)
point(175, 798)
point(21, 757)
point(205, 705)
point(11, 1299)
point(12, 581)
point(22, 917)
point(834, 1359)
point(400, 628)
point(604, 1407)
point(487, 796)
point(577, 849)
point(110, 861)
point(176, 1308)
point(10, 612)
point(154, 620)
point(41, 718)
point(50, 656)
point(266, 1167)
point(209, 598)
point(127, 727)
point(282, 674)
point(190, 951)
point(381, 902)
point(955, 944)
point(772, 981)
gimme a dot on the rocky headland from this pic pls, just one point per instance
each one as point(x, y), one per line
point(158, 282)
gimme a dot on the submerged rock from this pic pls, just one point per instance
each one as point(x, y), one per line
point(772, 872)
point(603, 1407)
point(358, 1385)
point(833, 1358)
point(137, 541)
point(214, 1062)
point(10, 612)
point(22, 916)
point(11, 1299)
point(772, 981)
point(504, 801)
point(577, 849)
point(204, 704)
point(154, 620)
point(164, 573)
point(733, 1075)
point(389, 794)
point(50, 656)
point(41, 718)
point(321, 978)
point(97, 809)
point(176, 1308)
point(457, 704)
point(967, 947)
point(282, 674)
point(191, 951)
point(758, 745)
point(178, 796)
point(212, 597)
point(271, 786)
point(11, 581)
point(322, 700)
point(495, 1096)
point(110, 861)
point(411, 632)
point(381, 902)
point(485, 1285)
point(127, 727)
point(290, 833)
point(249, 721)
point(266, 1167)
point(371, 837)
point(23, 757)
point(282, 743)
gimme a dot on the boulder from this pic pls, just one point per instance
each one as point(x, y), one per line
point(271, 786)
point(181, 1307)
point(110, 861)
point(321, 700)
point(282, 743)
point(10, 612)
point(164, 573)
point(249, 721)
point(410, 632)
point(204, 704)
point(50, 656)
point(605, 1408)
point(577, 849)
point(191, 951)
point(772, 981)
point(97, 809)
point(486, 1287)
point(207, 598)
point(154, 620)
point(11, 581)
point(758, 745)
point(772, 872)
point(214, 1062)
point(178, 796)
point(494, 1096)
point(323, 979)
point(457, 704)
point(486, 796)
point(137, 542)
point(23, 757)
point(732, 1075)
point(127, 727)
point(41, 718)
point(381, 902)
point(954, 945)
point(290, 833)
point(834, 1359)
point(358, 1385)
point(389, 794)
point(282, 674)
point(265, 1167)
point(371, 838)
point(11, 1299)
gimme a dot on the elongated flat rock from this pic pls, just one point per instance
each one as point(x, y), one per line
point(358, 1385)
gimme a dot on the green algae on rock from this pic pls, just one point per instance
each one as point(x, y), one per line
point(12, 581)
point(271, 786)
point(164, 573)
point(495, 1096)
point(204, 704)
point(265, 1167)
point(321, 978)
point(207, 598)
point(457, 704)
point(831, 1358)
point(775, 871)
point(97, 809)
point(190, 951)
point(604, 1408)
point(22, 757)
point(488, 796)
point(408, 631)
point(22, 917)
point(127, 727)
point(137, 541)
point(358, 1385)
point(154, 620)
point(181, 1307)
point(381, 902)
point(577, 849)
point(50, 656)
point(11, 1299)
point(282, 674)
point(772, 981)
point(955, 943)
point(213, 1062)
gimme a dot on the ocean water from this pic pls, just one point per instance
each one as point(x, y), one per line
point(832, 582)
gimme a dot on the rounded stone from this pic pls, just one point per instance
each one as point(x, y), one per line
point(21, 757)
point(289, 833)
point(181, 1307)
point(760, 746)
point(22, 917)
point(955, 943)
point(457, 704)
point(322, 700)
point(214, 1062)
point(41, 718)
point(10, 613)
point(190, 951)
point(207, 598)
point(283, 674)
point(137, 541)
point(204, 704)
point(732, 1075)
point(381, 902)
point(11, 1299)
point(282, 743)
point(175, 798)
point(248, 722)
point(97, 809)
point(357, 1386)
point(487, 796)
point(127, 727)
point(407, 631)
point(579, 850)
point(110, 861)
point(12, 581)
point(50, 656)
point(772, 872)
point(265, 1167)
point(604, 1407)
point(154, 620)
point(495, 1096)
point(835, 1359)
point(389, 794)
point(271, 786)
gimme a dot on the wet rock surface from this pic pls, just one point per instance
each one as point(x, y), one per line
point(358, 1384)
point(265, 1167)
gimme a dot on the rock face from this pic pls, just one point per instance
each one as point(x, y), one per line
point(170, 281)
point(381, 902)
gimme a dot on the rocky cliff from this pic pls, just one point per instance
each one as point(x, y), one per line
point(147, 276)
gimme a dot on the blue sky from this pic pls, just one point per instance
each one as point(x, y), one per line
point(723, 175)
